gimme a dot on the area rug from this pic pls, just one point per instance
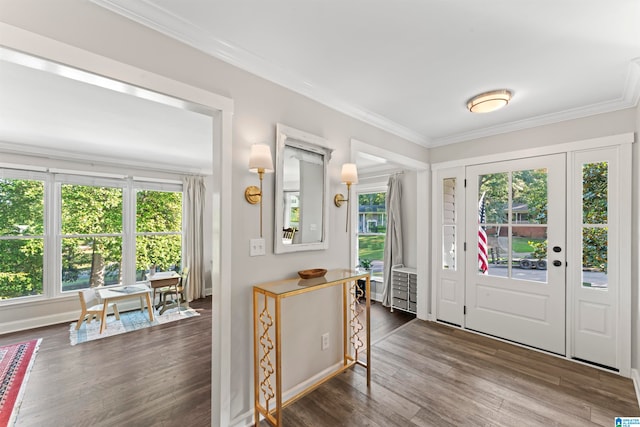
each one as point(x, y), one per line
point(16, 361)
point(129, 321)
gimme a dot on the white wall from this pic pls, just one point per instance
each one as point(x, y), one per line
point(258, 106)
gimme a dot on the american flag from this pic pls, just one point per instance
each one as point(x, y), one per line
point(483, 258)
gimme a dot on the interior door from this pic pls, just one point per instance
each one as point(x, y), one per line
point(515, 260)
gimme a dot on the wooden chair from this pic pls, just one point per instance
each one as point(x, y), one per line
point(91, 307)
point(174, 295)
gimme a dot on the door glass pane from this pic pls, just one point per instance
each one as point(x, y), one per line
point(595, 183)
point(512, 214)
point(594, 193)
point(594, 257)
point(529, 192)
point(529, 253)
point(495, 188)
point(493, 228)
point(449, 247)
point(449, 221)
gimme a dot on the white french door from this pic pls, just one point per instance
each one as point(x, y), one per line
point(554, 267)
point(515, 285)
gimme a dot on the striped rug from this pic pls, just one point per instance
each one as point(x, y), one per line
point(16, 361)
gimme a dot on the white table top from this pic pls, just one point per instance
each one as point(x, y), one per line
point(120, 291)
point(162, 275)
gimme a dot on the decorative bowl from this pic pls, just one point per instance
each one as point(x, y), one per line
point(311, 273)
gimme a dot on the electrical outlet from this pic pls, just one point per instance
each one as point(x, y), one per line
point(325, 341)
point(256, 247)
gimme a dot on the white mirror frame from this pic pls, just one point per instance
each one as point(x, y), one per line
point(289, 136)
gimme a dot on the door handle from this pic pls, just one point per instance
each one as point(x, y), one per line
point(557, 263)
point(557, 249)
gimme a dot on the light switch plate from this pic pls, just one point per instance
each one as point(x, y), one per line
point(256, 247)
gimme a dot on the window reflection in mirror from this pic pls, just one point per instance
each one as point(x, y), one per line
point(301, 190)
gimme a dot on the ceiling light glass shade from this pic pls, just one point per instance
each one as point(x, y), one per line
point(260, 158)
point(349, 173)
point(489, 101)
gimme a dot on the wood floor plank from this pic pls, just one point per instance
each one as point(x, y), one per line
point(158, 376)
point(423, 374)
point(459, 378)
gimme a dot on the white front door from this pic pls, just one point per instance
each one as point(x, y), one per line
point(515, 251)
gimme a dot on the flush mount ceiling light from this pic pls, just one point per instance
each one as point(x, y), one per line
point(489, 101)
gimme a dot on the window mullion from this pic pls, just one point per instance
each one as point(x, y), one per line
point(129, 230)
point(52, 277)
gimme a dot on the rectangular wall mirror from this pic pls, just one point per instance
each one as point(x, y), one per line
point(301, 197)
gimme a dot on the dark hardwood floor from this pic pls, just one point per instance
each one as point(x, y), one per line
point(158, 376)
point(427, 374)
point(424, 374)
point(384, 322)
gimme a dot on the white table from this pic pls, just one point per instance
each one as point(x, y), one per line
point(108, 295)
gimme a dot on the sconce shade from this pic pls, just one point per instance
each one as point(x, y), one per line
point(489, 101)
point(260, 158)
point(349, 173)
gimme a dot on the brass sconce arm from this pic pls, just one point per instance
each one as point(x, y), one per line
point(349, 177)
point(260, 161)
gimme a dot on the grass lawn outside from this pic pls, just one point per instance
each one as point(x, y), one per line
point(371, 246)
point(521, 245)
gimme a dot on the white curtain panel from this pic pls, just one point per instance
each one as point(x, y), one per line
point(194, 193)
point(393, 241)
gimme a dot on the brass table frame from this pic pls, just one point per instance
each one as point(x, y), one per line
point(263, 342)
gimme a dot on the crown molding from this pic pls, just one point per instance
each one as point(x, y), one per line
point(632, 84)
point(175, 27)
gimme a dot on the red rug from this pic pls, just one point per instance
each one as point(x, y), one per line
point(16, 361)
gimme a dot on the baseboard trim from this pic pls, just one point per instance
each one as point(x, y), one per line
point(246, 419)
point(635, 376)
point(38, 322)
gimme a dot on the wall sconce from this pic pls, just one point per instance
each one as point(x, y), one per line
point(260, 161)
point(349, 176)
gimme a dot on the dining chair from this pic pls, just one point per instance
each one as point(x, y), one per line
point(91, 307)
point(174, 295)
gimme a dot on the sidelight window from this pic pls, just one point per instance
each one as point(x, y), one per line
point(595, 200)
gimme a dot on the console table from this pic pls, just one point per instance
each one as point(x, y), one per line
point(267, 338)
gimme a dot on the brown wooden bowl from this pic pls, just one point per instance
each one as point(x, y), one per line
point(311, 273)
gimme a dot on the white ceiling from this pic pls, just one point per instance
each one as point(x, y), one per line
point(410, 66)
point(55, 111)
